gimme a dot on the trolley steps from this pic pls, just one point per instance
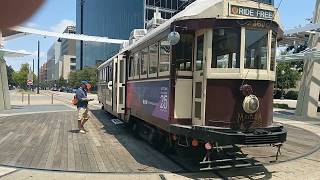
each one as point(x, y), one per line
point(228, 163)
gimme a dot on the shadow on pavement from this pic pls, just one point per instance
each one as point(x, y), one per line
point(138, 149)
point(74, 131)
point(144, 154)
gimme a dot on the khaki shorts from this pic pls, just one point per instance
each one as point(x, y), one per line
point(83, 114)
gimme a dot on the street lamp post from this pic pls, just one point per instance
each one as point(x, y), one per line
point(38, 84)
point(32, 74)
point(81, 32)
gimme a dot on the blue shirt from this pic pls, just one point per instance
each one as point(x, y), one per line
point(80, 94)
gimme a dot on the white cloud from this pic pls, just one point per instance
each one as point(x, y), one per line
point(31, 25)
point(61, 26)
point(42, 54)
point(33, 54)
point(23, 51)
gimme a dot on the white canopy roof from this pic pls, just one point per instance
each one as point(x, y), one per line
point(79, 37)
point(308, 27)
point(12, 53)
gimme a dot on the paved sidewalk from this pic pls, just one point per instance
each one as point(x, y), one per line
point(35, 109)
point(50, 134)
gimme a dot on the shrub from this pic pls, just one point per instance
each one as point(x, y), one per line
point(281, 106)
point(277, 94)
point(292, 95)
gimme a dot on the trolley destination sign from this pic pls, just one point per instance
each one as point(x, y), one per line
point(251, 12)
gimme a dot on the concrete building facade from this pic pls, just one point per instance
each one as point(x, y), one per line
point(61, 57)
point(43, 72)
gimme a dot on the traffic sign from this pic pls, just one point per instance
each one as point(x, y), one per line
point(29, 82)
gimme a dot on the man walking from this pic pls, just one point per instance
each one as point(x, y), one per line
point(82, 105)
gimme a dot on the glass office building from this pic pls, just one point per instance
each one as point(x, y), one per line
point(116, 19)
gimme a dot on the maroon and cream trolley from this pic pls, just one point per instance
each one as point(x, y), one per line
point(212, 89)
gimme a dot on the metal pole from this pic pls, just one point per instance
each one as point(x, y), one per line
point(32, 74)
point(81, 32)
point(51, 98)
point(38, 84)
point(28, 99)
point(22, 97)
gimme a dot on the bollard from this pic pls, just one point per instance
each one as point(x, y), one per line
point(22, 97)
point(28, 99)
point(51, 98)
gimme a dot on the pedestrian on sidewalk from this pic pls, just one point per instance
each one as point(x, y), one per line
point(82, 105)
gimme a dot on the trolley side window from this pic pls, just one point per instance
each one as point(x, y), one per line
point(256, 49)
point(273, 51)
point(144, 58)
point(131, 67)
point(153, 63)
point(107, 74)
point(165, 54)
point(136, 66)
point(226, 48)
point(100, 75)
point(110, 72)
point(184, 52)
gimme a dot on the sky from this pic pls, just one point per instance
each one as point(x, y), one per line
point(55, 15)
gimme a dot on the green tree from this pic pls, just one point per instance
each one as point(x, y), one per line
point(20, 77)
point(10, 73)
point(88, 74)
point(287, 76)
point(62, 82)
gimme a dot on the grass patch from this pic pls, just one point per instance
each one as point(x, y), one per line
point(26, 91)
point(282, 106)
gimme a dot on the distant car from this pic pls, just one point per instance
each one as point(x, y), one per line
point(54, 89)
point(61, 89)
point(69, 90)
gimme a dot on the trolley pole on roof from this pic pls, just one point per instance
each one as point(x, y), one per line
point(38, 84)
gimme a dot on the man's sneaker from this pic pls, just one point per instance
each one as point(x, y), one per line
point(85, 130)
point(82, 131)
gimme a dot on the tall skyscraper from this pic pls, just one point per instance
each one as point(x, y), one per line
point(115, 19)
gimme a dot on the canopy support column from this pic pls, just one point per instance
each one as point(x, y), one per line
point(307, 103)
point(4, 88)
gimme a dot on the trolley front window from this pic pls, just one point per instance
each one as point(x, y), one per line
point(199, 55)
point(226, 48)
point(184, 52)
point(256, 49)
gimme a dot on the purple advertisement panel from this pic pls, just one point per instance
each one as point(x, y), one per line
point(151, 97)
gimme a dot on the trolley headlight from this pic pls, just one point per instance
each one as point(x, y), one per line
point(250, 104)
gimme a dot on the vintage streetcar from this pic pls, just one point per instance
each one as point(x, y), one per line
point(201, 80)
